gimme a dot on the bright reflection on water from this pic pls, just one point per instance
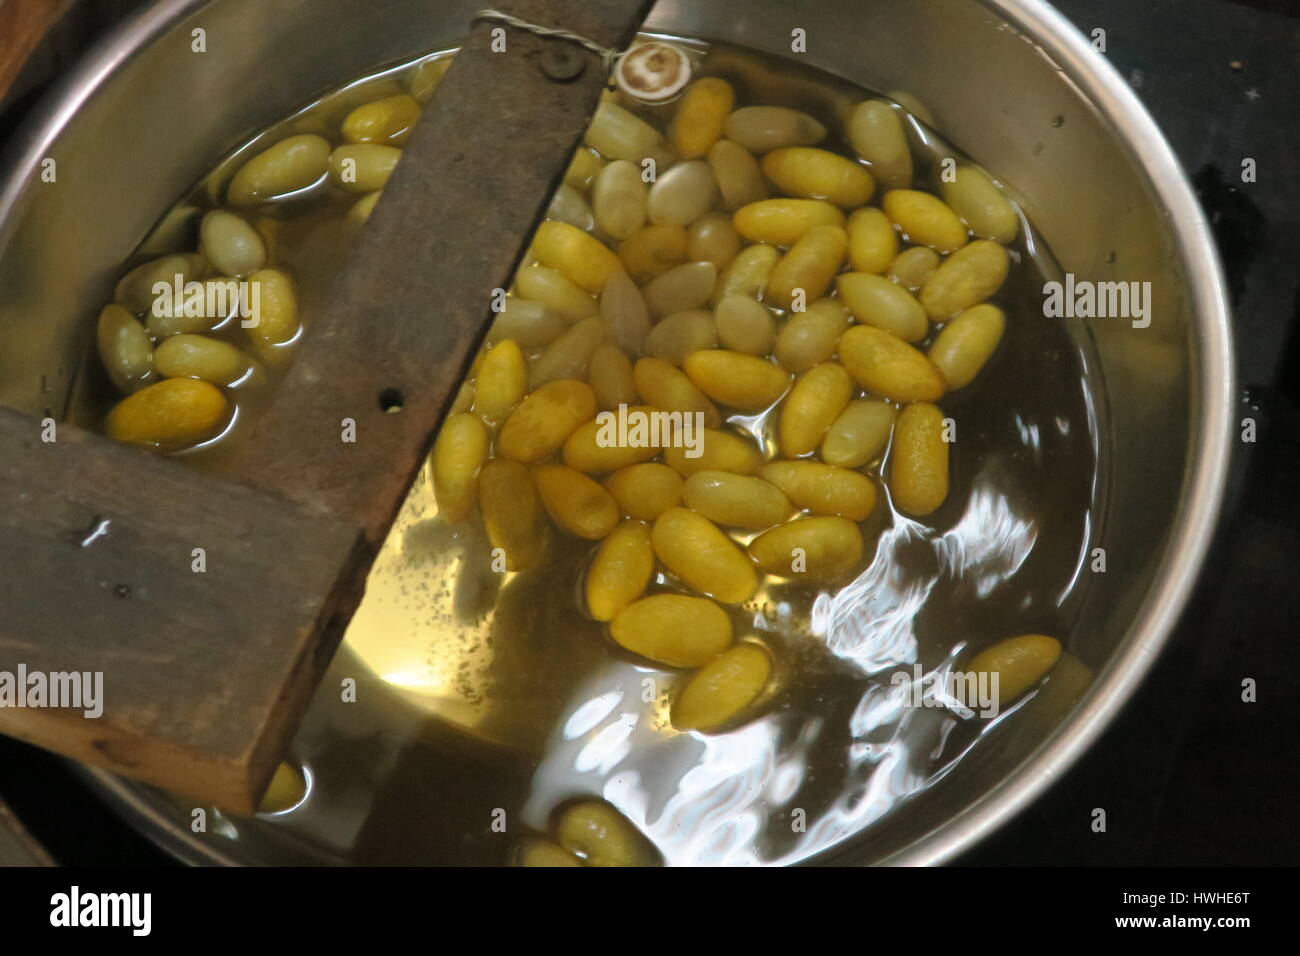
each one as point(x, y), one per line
point(870, 621)
point(478, 691)
point(731, 799)
point(989, 544)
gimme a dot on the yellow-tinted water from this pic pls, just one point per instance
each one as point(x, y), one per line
point(485, 697)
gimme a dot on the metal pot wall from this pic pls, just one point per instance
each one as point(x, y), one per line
point(1011, 83)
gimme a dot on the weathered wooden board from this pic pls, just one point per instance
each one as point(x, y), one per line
point(204, 673)
point(415, 301)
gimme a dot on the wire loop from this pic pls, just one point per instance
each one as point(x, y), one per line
point(607, 55)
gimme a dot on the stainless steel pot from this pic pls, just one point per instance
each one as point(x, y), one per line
point(1011, 83)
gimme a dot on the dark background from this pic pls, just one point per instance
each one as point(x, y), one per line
point(1188, 775)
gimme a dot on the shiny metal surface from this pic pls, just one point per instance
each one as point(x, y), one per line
point(1011, 83)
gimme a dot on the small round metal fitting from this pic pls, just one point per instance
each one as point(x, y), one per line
point(562, 63)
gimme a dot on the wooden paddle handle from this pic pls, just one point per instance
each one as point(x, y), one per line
point(23, 25)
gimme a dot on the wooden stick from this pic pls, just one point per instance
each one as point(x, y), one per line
point(207, 610)
point(415, 302)
point(206, 673)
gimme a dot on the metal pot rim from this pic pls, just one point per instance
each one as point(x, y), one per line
point(1212, 375)
point(1211, 371)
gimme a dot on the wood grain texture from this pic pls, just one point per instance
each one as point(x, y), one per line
point(415, 300)
point(205, 675)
